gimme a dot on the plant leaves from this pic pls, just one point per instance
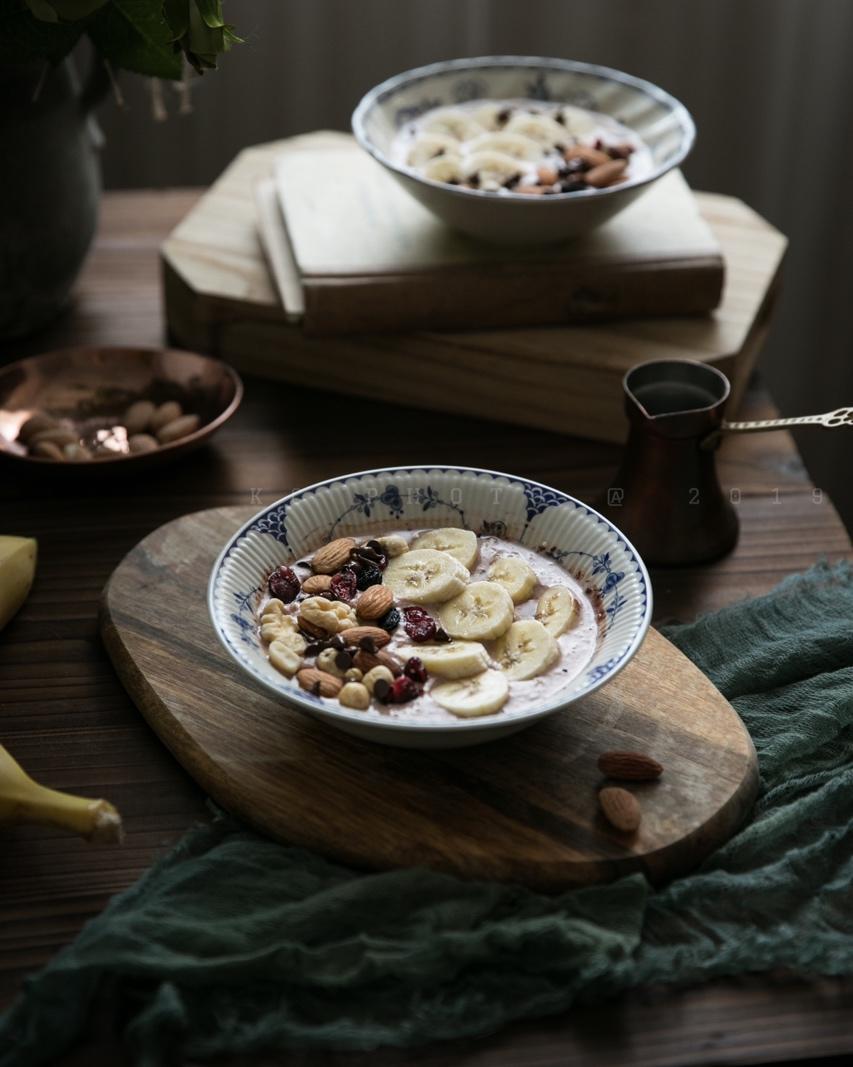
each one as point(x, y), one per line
point(134, 35)
point(24, 38)
point(76, 9)
point(177, 14)
point(211, 12)
point(43, 10)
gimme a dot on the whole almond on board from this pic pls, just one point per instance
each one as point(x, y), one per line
point(320, 682)
point(316, 583)
point(333, 556)
point(629, 766)
point(620, 808)
point(354, 634)
point(374, 602)
point(606, 174)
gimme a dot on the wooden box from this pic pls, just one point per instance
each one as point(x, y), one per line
point(220, 299)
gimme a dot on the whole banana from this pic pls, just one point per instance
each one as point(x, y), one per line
point(24, 801)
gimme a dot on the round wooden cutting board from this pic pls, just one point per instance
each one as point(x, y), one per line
point(523, 808)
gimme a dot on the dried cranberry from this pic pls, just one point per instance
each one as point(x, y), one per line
point(390, 620)
point(402, 690)
point(284, 584)
point(419, 624)
point(415, 670)
point(343, 586)
point(370, 575)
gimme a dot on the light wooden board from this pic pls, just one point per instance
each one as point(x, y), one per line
point(521, 809)
point(220, 299)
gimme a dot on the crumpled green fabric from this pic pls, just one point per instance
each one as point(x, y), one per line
point(236, 944)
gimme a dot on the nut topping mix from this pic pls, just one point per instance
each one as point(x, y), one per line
point(429, 624)
point(522, 146)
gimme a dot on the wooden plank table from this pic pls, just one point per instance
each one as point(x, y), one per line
point(64, 715)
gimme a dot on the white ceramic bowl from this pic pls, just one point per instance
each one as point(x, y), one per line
point(371, 502)
point(514, 218)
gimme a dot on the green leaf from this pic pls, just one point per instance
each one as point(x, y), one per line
point(24, 38)
point(76, 9)
point(211, 12)
point(177, 14)
point(43, 10)
point(134, 35)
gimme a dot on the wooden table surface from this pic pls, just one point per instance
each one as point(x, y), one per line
point(65, 716)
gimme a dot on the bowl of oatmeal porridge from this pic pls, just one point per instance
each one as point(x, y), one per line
point(429, 607)
point(521, 149)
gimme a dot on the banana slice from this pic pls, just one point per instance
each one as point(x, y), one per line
point(513, 145)
point(443, 169)
point(487, 116)
point(541, 129)
point(515, 576)
point(526, 650)
point(430, 145)
point(481, 612)
point(483, 694)
point(451, 123)
point(557, 610)
point(578, 122)
point(490, 167)
point(461, 544)
point(425, 576)
point(459, 659)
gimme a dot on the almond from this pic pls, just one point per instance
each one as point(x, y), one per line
point(354, 634)
point(594, 156)
point(333, 556)
point(620, 808)
point(374, 602)
point(547, 175)
point(630, 766)
point(311, 630)
point(366, 661)
point(320, 682)
point(606, 174)
point(316, 583)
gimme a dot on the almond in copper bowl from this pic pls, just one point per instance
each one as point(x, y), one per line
point(88, 409)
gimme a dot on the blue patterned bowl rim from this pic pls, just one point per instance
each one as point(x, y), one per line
point(598, 677)
point(408, 77)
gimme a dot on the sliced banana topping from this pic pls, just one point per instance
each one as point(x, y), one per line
point(425, 576)
point(558, 610)
point(513, 145)
point(462, 544)
point(481, 612)
point(451, 123)
point(444, 169)
point(526, 650)
point(431, 145)
point(490, 166)
point(459, 659)
point(483, 694)
point(516, 576)
point(578, 123)
point(540, 129)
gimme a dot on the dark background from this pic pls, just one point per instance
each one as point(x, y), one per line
point(769, 83)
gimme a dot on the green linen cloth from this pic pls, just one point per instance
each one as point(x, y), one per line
point(236, 944)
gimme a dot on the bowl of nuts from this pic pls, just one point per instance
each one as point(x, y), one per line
point(90, 409)
point(523, 149)
point(429, 607)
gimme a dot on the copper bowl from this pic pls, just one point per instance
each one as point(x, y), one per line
point(92, 386)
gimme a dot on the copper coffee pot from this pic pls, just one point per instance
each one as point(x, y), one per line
point(666, 497)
